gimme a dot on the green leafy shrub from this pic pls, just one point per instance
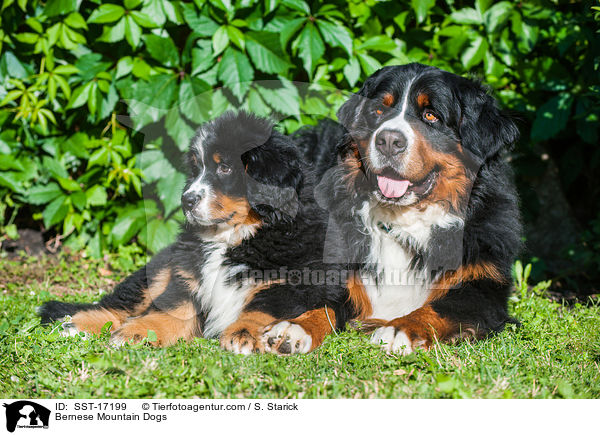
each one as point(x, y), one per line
point(70, 165)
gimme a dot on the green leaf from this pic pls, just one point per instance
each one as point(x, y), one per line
point(474, 53)
point(220, 40)
point(124, 67)
point(201, 60)
point(96, 195)
point(10, 162)
point(162, 49)
point(133, 32)
point(377, 43)
point(10, 180)
point(60, 7)
point(265, 51)
point(288, 29)
point(200, 24)
point(94, 98)
point(158, 235)
point(11, 66)
point(283, 99)
point(79, 200)
point(170, 188)
point(141, 69)
point(55, 211)
point(236, 37)
point(336, 35)
point(154, 10)
point(298, 5)
point(482, 5)
point(76, 21)
point(142, 19)
point(128, 225)
point(352, 71)
point(552, 117)
point(310, 47)
point(114, 33)
point(99, 157)
point(235, 71)
point(43, 194)
point(466, 16)
point(178, 129)
point(421, 7)
point(27, 38)
point(256, 104)
point(132, 4)
point(106, 13)
point(369, 64)
point(195, 101)
point(54, 167)
point(68, 184)
point(496, 16)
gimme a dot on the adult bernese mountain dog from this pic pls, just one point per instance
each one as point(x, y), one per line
point(242, 268)
point(420, 193)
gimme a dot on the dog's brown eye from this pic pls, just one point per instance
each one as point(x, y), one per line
point(223, 169)
point(429, 116)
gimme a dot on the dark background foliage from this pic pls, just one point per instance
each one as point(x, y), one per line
point(72, 168)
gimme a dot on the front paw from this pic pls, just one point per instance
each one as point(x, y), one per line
point(394, 340)
point(241, 341)
point(285, 338)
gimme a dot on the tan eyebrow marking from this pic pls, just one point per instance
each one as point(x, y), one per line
point(217, 158)
point(422, 100)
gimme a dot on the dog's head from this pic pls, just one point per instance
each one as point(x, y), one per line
point(417, 135)
point(242, 173)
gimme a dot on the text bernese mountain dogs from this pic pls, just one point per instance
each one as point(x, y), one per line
point(242, 268)
point(420, 193)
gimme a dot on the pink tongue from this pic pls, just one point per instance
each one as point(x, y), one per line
point(392, 188)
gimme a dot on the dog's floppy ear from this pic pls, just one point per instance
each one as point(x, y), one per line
point(484, 129)
point(274, 179)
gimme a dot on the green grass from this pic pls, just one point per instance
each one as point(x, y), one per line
point(556, 353)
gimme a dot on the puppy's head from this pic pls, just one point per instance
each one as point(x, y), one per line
point(242, 173)
point(419, 134)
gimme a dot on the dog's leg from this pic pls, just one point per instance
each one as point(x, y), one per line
point(472, 309)
point(181, 322)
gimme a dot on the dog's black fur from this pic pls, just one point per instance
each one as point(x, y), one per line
point(249, 209)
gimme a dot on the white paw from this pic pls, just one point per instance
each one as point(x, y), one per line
point(117, 341)
point(285, 338)
point(243, 347)
point(392, 340)
point(68, 329)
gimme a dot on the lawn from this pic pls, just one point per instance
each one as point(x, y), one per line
point(555, 353)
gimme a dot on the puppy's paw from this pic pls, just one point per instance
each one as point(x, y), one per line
point(393, 340)
point(241, 341)
point(69, 329)
point(285, 338)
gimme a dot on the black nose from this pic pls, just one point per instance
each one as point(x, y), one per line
point(190, 199)
point(390, 142)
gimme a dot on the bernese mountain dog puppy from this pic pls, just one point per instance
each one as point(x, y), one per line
point(252, 231)
point(424, 201)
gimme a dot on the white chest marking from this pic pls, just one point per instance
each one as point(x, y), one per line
point(397, 289)
point(220, 300)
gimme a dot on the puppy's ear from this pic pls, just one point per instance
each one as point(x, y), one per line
point(274, 179)
point(484, 129)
